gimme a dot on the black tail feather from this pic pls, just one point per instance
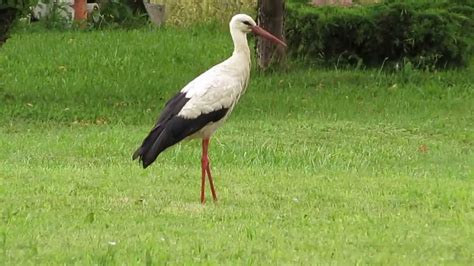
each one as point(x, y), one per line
point(145, 153)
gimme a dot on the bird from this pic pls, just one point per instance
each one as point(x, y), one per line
point(204, 104)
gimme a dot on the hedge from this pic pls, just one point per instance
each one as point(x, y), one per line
point(435, 34)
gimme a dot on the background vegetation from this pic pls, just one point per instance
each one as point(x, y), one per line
point(427, 34)
point(186, 12)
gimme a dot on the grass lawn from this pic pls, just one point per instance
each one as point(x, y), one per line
point(314, 166)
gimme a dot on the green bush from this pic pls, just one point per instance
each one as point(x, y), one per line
point(9, 11)
point(435, 34)
point(20, 5)
point(119, 14)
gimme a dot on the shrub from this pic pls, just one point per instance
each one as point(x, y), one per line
point(427, 34)
point(9, 11)
point(21, 6)
point(119, 14)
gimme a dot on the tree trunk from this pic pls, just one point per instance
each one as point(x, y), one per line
point(80, 10)
point(270, 17)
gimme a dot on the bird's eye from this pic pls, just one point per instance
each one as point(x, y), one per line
point(247, 23)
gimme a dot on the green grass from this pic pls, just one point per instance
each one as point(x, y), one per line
point(314, 166)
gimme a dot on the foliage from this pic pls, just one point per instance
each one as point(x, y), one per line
point(9, 11)
point(313, 167)
point(59, 16)
point(187, 12)
point(7, 17)
point(118, 13)
point(22, 6)
point(112, 14)
point(427, 34)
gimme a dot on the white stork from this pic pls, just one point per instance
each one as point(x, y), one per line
point(204, 104)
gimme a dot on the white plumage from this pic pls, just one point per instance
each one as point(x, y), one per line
point(205, 103)
point(222, 85)
point(215, 89)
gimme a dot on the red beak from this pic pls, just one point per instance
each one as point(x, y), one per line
point(267, 35)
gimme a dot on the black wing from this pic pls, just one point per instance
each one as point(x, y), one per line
point(171, 129)
point(172, 108)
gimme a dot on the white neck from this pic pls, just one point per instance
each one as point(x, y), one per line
point(240, 42)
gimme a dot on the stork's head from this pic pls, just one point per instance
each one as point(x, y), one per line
point(245, 24)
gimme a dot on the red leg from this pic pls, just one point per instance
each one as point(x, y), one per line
point(205, 168)
point(204, 163)
point(203, 181)
point(213, 190)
